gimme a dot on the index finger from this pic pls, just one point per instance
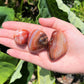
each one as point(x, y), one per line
point(13, 25)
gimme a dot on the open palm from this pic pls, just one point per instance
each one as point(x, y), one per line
point(71, 62)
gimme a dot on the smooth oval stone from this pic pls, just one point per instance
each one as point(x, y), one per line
point(37, 41)
point(57, 45)
point(21, 37)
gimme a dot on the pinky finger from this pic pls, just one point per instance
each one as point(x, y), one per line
point(24, 56)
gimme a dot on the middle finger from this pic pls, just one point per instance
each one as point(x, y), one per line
point(11, 43)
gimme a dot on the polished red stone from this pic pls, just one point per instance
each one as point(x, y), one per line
point(21, 37)
point(37, 41)
point(57, 45)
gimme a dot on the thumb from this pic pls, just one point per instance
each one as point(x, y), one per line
point(55, 23)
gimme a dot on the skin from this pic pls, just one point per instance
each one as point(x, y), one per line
point(71, 62)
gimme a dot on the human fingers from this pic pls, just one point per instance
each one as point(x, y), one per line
point(13, 25)
point(59, 25)
point(55, 23)
point(24, 56)
point(42, 61)
point(7, 39)
point(7, 33)
point(11, 43)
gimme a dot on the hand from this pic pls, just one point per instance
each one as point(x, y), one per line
point(71, 62)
